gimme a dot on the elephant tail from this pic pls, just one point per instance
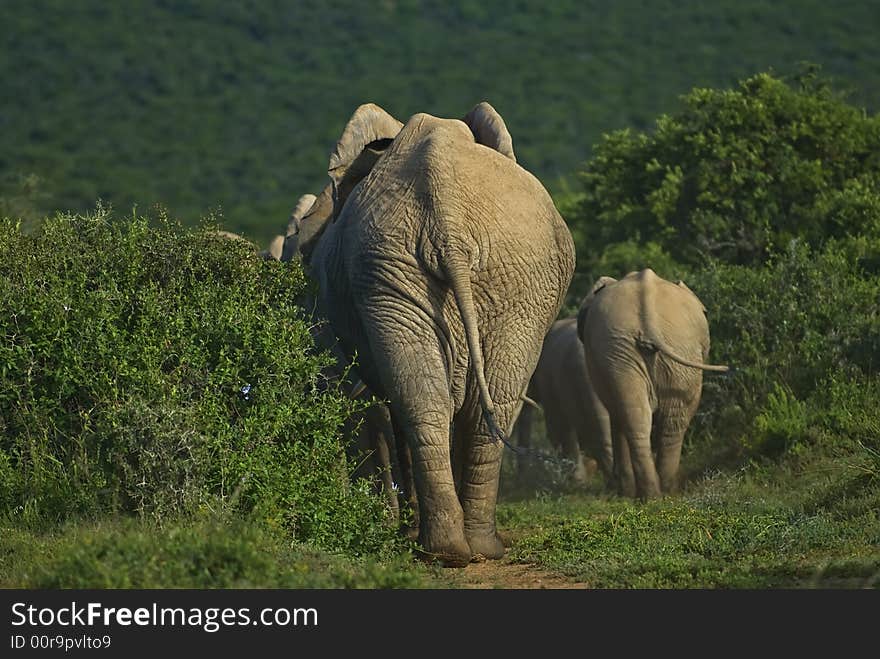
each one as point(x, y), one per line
point(718, 368)
point(457, 270)
point(532, 402)
point(652, 339)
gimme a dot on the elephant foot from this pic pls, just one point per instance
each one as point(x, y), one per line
point(669, 485)
point(444, 543)
point(590, 466)
point(448, 556)
point(649, 493)
point(485, 546)
point(626, 487)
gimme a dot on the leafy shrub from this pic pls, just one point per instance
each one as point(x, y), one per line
point(734, 175)
point(783, 423)
point(160, 371)
point(798, 331)
point(765, 198)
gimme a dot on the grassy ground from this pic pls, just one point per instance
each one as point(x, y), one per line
point(125, 553)
point(794, 525)
point(791, 526)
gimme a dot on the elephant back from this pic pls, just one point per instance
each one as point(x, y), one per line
point(651, 311)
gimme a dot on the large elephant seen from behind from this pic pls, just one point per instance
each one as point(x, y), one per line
point(646, 342)
point(440, 269)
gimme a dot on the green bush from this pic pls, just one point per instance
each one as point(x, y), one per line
point(782, 424)
point(735, 175)
point(161, 371)
point(765, 199)
point(798, 331)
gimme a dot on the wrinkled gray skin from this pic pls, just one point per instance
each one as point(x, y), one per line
point(442, 268)
point(576, 421)
point(646, 341)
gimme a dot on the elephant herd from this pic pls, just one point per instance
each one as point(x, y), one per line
point(441, 266)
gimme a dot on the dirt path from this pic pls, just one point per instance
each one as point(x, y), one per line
point(503, 574)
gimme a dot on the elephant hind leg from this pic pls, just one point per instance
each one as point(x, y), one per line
point(599, 436)
point(437, 509)
point(563, 435)
point(624, 479)
point(480, 476)
point(412, 374)
point(571, 450)
point(631, 431)
point(441, 520)
point(669, 432)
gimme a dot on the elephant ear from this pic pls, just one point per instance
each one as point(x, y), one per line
point(366, 135)
point(681, 284)
point(489, 129)
point(309, 227)
point(598, 285)
point(299, 212)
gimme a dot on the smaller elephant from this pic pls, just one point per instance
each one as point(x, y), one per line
point(276, 250)
point(646, 341)
point(577, 423)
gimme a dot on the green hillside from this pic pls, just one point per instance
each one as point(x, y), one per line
point(200, 105)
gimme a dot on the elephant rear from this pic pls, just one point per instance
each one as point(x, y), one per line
point(442, 266)
point(646, 341)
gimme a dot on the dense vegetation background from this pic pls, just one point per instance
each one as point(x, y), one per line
point(235, 105)
point(164, 417)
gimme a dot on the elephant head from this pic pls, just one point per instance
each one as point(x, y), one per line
point(303, 205)
point(299, 232)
